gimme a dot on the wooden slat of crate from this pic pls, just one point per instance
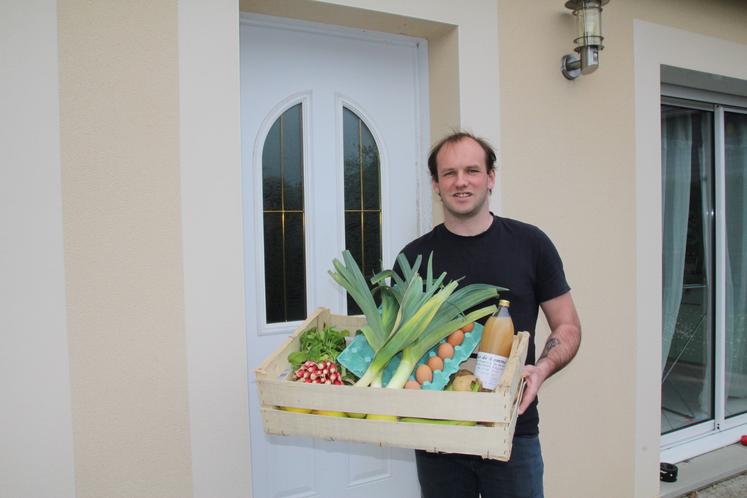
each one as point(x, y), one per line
point(487, 407)
point(488, 442)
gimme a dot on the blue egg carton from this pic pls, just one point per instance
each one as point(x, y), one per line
point(358, 355)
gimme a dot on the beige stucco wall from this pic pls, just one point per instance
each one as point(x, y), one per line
point(157, 403)
point(119, 134)
point(568, 160)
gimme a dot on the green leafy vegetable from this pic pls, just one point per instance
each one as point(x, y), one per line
point(318, 345)
point(349, 276)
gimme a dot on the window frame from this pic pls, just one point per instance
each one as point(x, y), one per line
point(341, 105)
point(263, 327)
point(286, 213)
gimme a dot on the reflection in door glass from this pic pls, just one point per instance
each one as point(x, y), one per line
point(687, 267)
point(283, 216)
point(735, 137)
point(362, 197)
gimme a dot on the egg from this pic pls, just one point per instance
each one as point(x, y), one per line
point(445, 350)
point(424, 373)
point(468, 327)
point(412, 384)
point(456, 338)
point(435, 362)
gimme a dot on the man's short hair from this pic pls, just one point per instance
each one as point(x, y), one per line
point(458, 137)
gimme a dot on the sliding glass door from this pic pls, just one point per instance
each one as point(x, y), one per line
point(704, 270)
point(688, 261)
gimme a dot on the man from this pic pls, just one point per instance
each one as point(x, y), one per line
point(477, 246)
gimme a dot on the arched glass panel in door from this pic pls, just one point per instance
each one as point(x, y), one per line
point(283, 216)
point(362, 197)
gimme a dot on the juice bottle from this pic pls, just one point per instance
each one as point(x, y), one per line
point(495, 346)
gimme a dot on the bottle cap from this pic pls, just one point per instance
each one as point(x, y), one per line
point(504, 302)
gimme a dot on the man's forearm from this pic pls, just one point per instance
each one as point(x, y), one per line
point(560, 348)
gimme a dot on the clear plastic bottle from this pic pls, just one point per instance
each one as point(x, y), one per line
point(495, 346)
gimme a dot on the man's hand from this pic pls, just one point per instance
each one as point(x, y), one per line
point(560, 347)
point(534, 378)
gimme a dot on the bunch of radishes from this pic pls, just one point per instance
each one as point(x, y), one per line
point(323, 372)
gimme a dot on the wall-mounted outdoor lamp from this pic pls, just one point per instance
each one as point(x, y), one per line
point(589, 42)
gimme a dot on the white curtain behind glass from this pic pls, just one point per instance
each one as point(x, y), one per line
point(676, 154)
point(736, 264)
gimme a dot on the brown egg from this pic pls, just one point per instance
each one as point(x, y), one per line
point(412, 384)
point(468, 327)
point(424, 373)
point(456, 338)
point(445, 350)
point(435, 362)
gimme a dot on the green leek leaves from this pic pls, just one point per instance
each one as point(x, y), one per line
point(415, 313)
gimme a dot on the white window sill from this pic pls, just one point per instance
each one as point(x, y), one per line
point(704, 470)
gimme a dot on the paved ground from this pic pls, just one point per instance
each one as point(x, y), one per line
point(735, 487)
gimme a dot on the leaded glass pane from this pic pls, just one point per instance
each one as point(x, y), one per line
point(354, 236)
point(370, 167)
point(283, 216)
point(274, 298)
point(362, 197)
point(351, 152)
point(271, 174)
point(371, 242)
point(292, 159)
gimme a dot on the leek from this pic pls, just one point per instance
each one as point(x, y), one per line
point(415, 313)
point(349, 276)
point(407, 333)
point(416, 350)
point(449, 318)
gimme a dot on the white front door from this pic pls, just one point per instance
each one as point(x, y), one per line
point(318, 78)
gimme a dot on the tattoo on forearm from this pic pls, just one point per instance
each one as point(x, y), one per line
point(549, 345)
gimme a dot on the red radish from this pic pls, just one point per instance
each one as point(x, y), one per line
point(324, 372)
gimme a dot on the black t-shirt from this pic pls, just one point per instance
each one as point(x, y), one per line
point(509, 254)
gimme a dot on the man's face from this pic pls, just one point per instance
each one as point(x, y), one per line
point(463, 181)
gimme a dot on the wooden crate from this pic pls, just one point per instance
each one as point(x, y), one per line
point(499, 408)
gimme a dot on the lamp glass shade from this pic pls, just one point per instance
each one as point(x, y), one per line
point(589, 21)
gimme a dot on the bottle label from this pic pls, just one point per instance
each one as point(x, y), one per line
point(489, 368)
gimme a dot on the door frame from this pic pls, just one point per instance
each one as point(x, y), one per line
point(210, 171)
point(412, 64)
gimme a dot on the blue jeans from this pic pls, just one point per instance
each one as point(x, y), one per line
point(451, 475)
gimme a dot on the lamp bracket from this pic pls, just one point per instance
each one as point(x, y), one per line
point(570, 66)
